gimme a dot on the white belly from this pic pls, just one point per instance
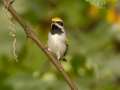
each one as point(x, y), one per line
point(57, 44)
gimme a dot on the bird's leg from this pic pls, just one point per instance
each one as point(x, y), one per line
point(49, 49)
point(46, 48)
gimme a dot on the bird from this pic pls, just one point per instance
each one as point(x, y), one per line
point(57, 40)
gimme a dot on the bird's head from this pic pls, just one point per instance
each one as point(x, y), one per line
point(57, 26)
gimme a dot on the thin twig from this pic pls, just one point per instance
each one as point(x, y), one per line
point(30, 34)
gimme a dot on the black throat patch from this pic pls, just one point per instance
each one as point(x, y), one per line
point(55, 29)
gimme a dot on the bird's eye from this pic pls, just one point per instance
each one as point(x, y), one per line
point(60, 23)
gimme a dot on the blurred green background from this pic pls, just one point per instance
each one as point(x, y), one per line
point(93, 30)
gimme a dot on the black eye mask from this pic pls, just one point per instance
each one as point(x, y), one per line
point(55, 29)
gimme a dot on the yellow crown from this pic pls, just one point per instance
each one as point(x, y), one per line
point(55, 19)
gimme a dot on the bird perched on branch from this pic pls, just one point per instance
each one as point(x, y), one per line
point(57, 43)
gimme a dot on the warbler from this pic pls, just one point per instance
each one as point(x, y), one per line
point(57, 42)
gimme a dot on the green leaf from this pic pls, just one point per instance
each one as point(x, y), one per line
point(99, 3)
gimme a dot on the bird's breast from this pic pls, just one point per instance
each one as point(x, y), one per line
point(56, 41)
point(57, 38)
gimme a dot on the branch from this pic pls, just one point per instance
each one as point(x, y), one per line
point(31, 35)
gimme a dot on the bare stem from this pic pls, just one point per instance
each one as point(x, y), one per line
point(30, 34)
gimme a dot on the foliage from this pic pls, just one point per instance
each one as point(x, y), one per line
point(94, 45)
point(98, 2)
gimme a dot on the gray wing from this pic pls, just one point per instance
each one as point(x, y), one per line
point(64, 59)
